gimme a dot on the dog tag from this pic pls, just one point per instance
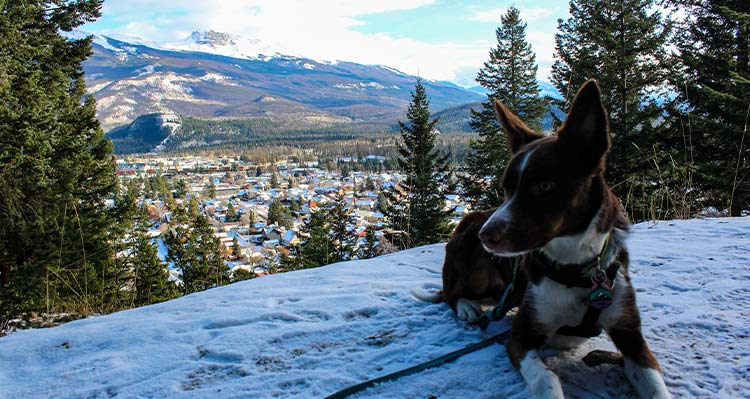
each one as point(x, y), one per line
point(600, 296)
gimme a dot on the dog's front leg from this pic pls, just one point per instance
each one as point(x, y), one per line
point(522, 350)
point(641, 366)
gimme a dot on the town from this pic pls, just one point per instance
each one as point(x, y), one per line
point(238, 198)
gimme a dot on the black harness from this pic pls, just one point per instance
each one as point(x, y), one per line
point(589, 275)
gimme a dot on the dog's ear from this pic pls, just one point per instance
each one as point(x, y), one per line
point(517, 132)
point(586, 129)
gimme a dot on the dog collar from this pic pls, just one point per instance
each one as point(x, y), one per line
point(577, 274)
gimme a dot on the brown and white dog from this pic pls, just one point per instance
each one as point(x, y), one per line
point(473, 277)
point(560, 214)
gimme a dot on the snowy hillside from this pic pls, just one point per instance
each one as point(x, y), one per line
point(307, 334)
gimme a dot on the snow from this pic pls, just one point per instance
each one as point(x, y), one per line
point(309, 333)
point(227, 45)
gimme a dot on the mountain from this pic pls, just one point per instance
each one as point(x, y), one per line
point(309, 333)
point(548, 90)
point(213, 74)
point(145, 133)
point(456, 119)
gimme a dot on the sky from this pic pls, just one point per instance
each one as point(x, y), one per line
point(435, 39)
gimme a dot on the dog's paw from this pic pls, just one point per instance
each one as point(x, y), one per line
point(468, 310)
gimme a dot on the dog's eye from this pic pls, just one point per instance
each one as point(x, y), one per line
point(545, 186)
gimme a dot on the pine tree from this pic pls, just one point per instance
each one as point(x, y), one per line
point(342, 239)
point(180, 189)
point(621, 43)
point(194, 250)
point(370, 247)
point(56, 167)
point(208, 269)
point(278, 214)
point(151, 277)
point(274, 180)
point(236, 249)
point(509, 76)
point(714, 50)
point(240, 274)
point(231, 213)
point(382, 203)
point(419, 202)
point(317, 249)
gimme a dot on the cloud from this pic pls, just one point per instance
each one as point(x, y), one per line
point(527, 14)
point(322, 30)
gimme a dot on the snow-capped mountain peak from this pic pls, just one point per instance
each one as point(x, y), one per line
point(212, 38)
point(221, 43)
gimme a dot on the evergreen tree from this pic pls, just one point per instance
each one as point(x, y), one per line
point(382, 203)
point(231, 213)
point(295, 205)
point(210, 190)
point(420, 200)
point(276, 213)
point(195, 252)
point(240, 274)
point(369, 184)
point(621, 43)
point(117, 279)
point(151, 277)
point(236, 249)
point(370, 247)
point(317, 250)
point(180, 189)
point(509, 76)
point(193, 209)
point(714, 50)
point(207, 268)
point(274, 180)
point(56, 167)
point(289, 262)
point(342, 240)
point(249, 217)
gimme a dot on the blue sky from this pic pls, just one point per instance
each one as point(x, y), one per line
point(437, 39)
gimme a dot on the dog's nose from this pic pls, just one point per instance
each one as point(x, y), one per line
point(492, 234)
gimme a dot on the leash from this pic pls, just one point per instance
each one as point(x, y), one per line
point(496, 314)
point(447, 358)
point(499, 311)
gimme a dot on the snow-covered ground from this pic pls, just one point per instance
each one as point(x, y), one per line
point(307, 334)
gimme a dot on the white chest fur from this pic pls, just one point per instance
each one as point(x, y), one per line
point(556, 305)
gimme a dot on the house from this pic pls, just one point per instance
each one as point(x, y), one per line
point(290, 238)
point(272, 233)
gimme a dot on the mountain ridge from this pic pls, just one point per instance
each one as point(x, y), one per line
point(131, 79)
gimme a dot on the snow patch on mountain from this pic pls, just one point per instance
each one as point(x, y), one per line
point(173, 123)
point(364, 86)
point(222, 44)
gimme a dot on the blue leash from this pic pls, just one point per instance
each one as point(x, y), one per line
point(496, 314)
